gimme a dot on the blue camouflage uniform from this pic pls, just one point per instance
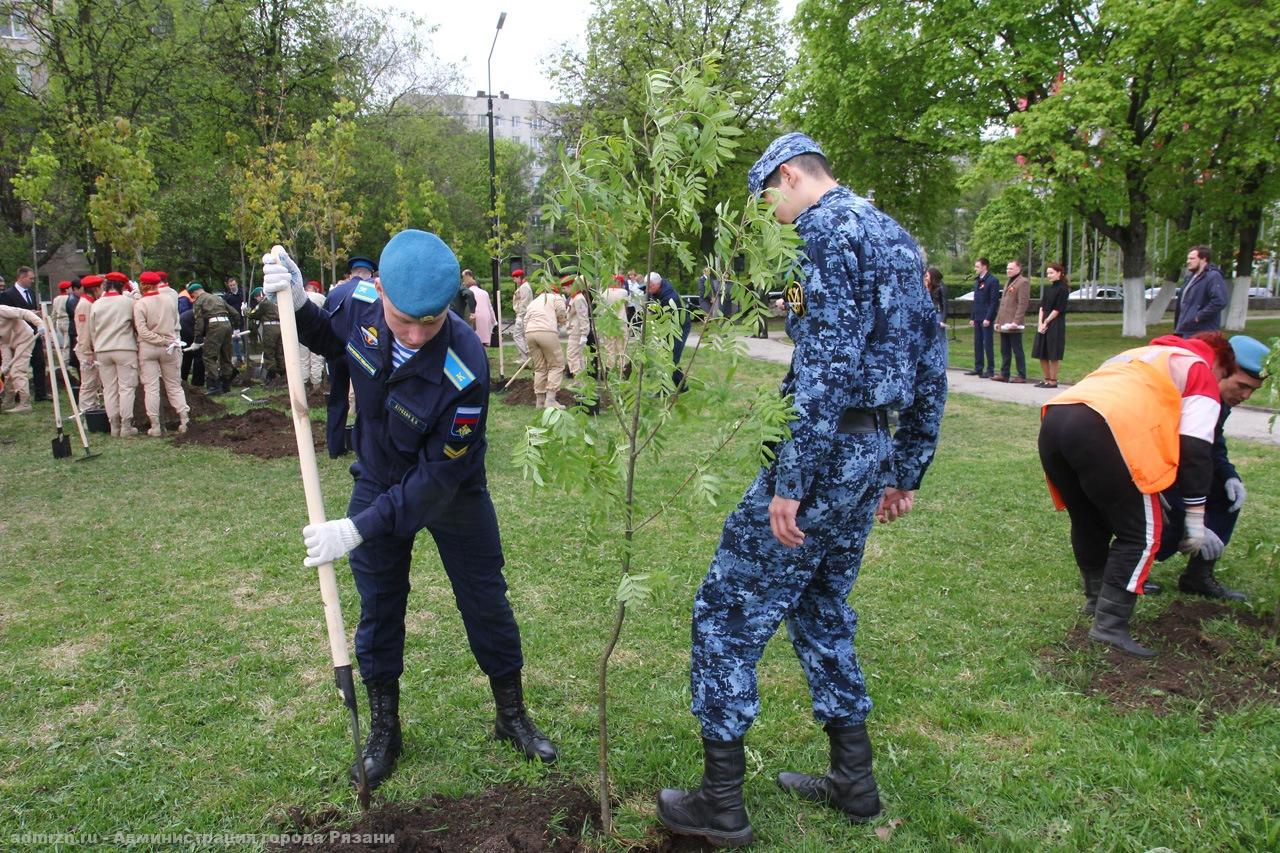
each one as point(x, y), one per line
point(420, 447)
point(866, 342)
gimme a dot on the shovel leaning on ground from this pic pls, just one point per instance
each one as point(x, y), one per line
point(61, 442)
point(316, 515)
point(76, 415)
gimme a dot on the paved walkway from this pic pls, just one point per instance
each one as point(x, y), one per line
point(1245, 422)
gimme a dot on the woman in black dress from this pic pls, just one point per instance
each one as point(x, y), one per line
point(1051, 333)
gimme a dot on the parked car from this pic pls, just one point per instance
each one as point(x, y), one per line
point(1259, 293)
point(1096, 292)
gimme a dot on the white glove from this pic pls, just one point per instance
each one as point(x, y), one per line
point(174, 344)
point(193, 347)
point(1236, 494)
point(1193, 531)
point(279, 273)
point(330, 541)
point(1213, 546)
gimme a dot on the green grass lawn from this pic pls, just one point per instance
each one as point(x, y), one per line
point(1087, 346)
point(167, 668)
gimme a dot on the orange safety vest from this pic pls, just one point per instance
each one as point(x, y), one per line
point(1143, 407)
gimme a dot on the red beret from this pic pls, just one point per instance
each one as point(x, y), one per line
point(149, 277)
point(64, 285)
point(619, 277)
point(164, 276)
point(517, 273)
point(118, 277)
point(314, 285)
point(91, 281)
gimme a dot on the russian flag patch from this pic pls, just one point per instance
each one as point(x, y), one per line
point(465, 421)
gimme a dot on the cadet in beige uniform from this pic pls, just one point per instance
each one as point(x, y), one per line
point(543, 318)
point(520, 304)
point(18, 341)
point(115, 348)
point(312, 363)
point(90, 381)
point(155, 320)
point(615, 346)
point(579, 325)
point(61, 320)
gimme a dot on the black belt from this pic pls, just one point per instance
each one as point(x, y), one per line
point(862, 421)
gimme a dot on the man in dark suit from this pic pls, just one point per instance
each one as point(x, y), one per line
point(1202, 299)
point(23, 295)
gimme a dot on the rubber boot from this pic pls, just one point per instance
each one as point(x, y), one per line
point(1111, 621)
point(382, 748)
point(849, 785)
point(1091, 580)
point(714, 812)
point(1198, 579)
point(513, 724)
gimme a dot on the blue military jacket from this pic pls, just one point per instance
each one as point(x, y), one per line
point(866, 336)
point(420, 429)
point(986, 299)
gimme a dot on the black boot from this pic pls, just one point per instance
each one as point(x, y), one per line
point(1111, 621)
point(1198, 579)
point(383, 746)
point(513, 723)
point(714, 812)
point(849, 785)
point(1091, 580)
point(1150, 587)
point(213, 388)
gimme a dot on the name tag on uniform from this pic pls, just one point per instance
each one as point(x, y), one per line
point(360, 359)
point(459, 374)
point(396, 407)
point(365, 292)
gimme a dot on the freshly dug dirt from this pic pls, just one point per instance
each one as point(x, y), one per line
point(521, 393)
point(502, 819)
point(264, 433)
point(1218, 674)
point(201, 404)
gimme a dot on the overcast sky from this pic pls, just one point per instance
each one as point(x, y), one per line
point(533, 31)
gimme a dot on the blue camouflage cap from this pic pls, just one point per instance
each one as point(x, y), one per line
point(780, 150)
point(1250, 354)
point(419, 273)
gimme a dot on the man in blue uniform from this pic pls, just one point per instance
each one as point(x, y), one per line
point(866, 343)
point(421, 380)
point(338, 404)
point(1226, 494)
point(664, 295)
point(982, 317)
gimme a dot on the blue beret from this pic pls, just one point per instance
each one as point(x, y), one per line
point(361, 261)
point(419, 273)
point(1250, 354)
point(780, 150)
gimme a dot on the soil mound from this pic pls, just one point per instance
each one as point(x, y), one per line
point(502, 819)
point(521, 393)
point(1201, 666)
point(264, 433)
point(200, 403)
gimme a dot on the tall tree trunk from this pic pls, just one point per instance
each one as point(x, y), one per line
point(1238, 308)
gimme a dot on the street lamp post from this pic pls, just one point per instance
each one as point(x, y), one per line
point(496, 338)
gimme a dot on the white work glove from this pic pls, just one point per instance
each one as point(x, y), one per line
point(330, 541)
point(175, 344)
point(1213, 545)
point(1236, 494)
point(1193, 531)
point(279, 273)
point(193, 347)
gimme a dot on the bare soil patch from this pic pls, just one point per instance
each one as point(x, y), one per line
point(200, 404)
point(499, 819)
point(521, 393)
point(265, 433)
point(1218, 674)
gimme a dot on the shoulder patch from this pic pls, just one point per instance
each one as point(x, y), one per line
point(365, 292)
point(454, 452)
point(457, 371)
point(370, 335)
point(466, 419)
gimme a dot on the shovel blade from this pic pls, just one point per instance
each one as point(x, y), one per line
point(62, 447)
